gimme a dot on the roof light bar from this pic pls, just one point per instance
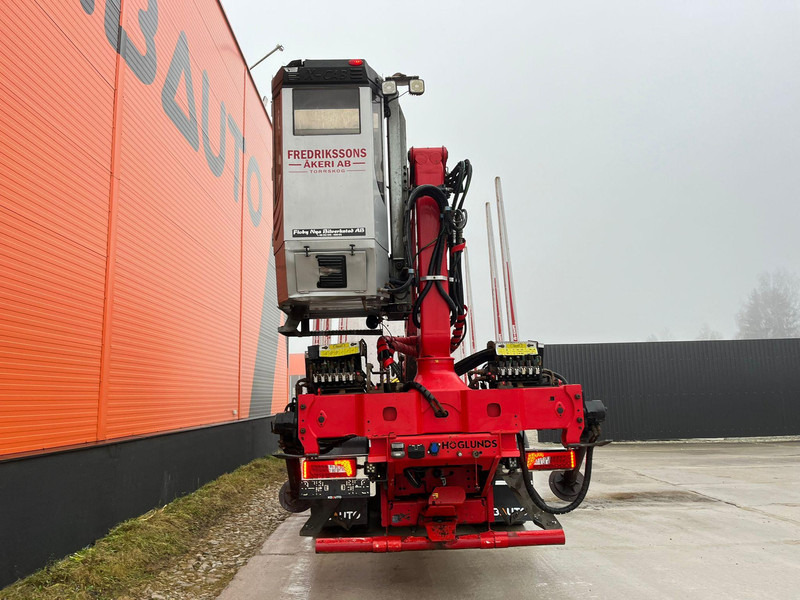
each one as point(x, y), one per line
point(416, 86)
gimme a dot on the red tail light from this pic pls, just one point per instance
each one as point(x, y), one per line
point(356, 62)
point(555, 460)
point(329, 469)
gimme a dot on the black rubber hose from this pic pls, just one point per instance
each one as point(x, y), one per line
point(450, 303)
point(423, 190)
point(537, 499)
point(438, 410)
point(441, 199)
point(434, 268)
point(418, 302)
point(468, 180)
point(401, 286)
point(473, 360)
point(418, 305)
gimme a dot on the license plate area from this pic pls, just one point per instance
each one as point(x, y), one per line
point(328, 489)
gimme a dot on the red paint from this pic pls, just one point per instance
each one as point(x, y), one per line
point(521, 408)
point(479, 429)
point(486, 540)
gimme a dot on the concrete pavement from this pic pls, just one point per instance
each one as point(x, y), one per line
point(689, 520)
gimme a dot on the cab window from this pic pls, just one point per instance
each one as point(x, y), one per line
point(329, 111)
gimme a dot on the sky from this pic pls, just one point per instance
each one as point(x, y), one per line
point(649, 151)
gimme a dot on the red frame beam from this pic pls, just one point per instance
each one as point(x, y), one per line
point(486, 540)
point(388, 415)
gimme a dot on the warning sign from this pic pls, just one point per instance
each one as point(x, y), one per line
point(335, 350)
point(516, 349)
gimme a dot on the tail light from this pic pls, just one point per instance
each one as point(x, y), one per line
point(554, 460)
point(329, 469)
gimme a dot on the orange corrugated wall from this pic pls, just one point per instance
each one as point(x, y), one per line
point(297, 364)
point(296, 370)
point(136, 285)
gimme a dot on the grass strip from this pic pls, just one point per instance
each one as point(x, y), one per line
point(136, 550)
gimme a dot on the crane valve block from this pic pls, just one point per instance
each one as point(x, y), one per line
point(515, 364)
point(337, 368)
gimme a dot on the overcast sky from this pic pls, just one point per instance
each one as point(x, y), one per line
point(649, 151)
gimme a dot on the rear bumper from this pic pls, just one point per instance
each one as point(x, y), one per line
point(488, 539)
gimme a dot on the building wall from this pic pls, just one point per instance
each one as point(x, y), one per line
point(139, 354)
point(55, 504)
point(136, 286)
point(700, 389)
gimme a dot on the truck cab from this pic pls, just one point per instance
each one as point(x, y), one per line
point(331, 239)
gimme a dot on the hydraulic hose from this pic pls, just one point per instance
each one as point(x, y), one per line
point(437, 194)
point(423, 190)
point(537, 499)
point(473, 360)
point(397, 287)
point(556, 375)
point(400, 286)
point(438, 410)
point(453, 219)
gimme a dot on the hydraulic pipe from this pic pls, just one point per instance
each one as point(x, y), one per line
point(326, 338)
point(498, 317)
point(470, 306)
point(505, 257)
point(316, 340)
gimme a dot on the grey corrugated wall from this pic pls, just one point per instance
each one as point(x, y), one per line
point(673, 390)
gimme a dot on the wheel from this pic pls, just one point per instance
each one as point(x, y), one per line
point(290, 503)
point(566, 485)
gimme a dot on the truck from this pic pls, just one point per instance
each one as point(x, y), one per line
point(418, 452)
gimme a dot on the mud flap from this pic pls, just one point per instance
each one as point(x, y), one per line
point(516, 485)
point(349, 513)
point(507, 510)
point(321, 512)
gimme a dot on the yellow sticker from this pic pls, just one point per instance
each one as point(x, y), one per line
point(335, 350)
point(516, 349)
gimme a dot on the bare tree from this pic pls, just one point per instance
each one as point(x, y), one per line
point(665, 336)
point(772, 309)
point(706, 333)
